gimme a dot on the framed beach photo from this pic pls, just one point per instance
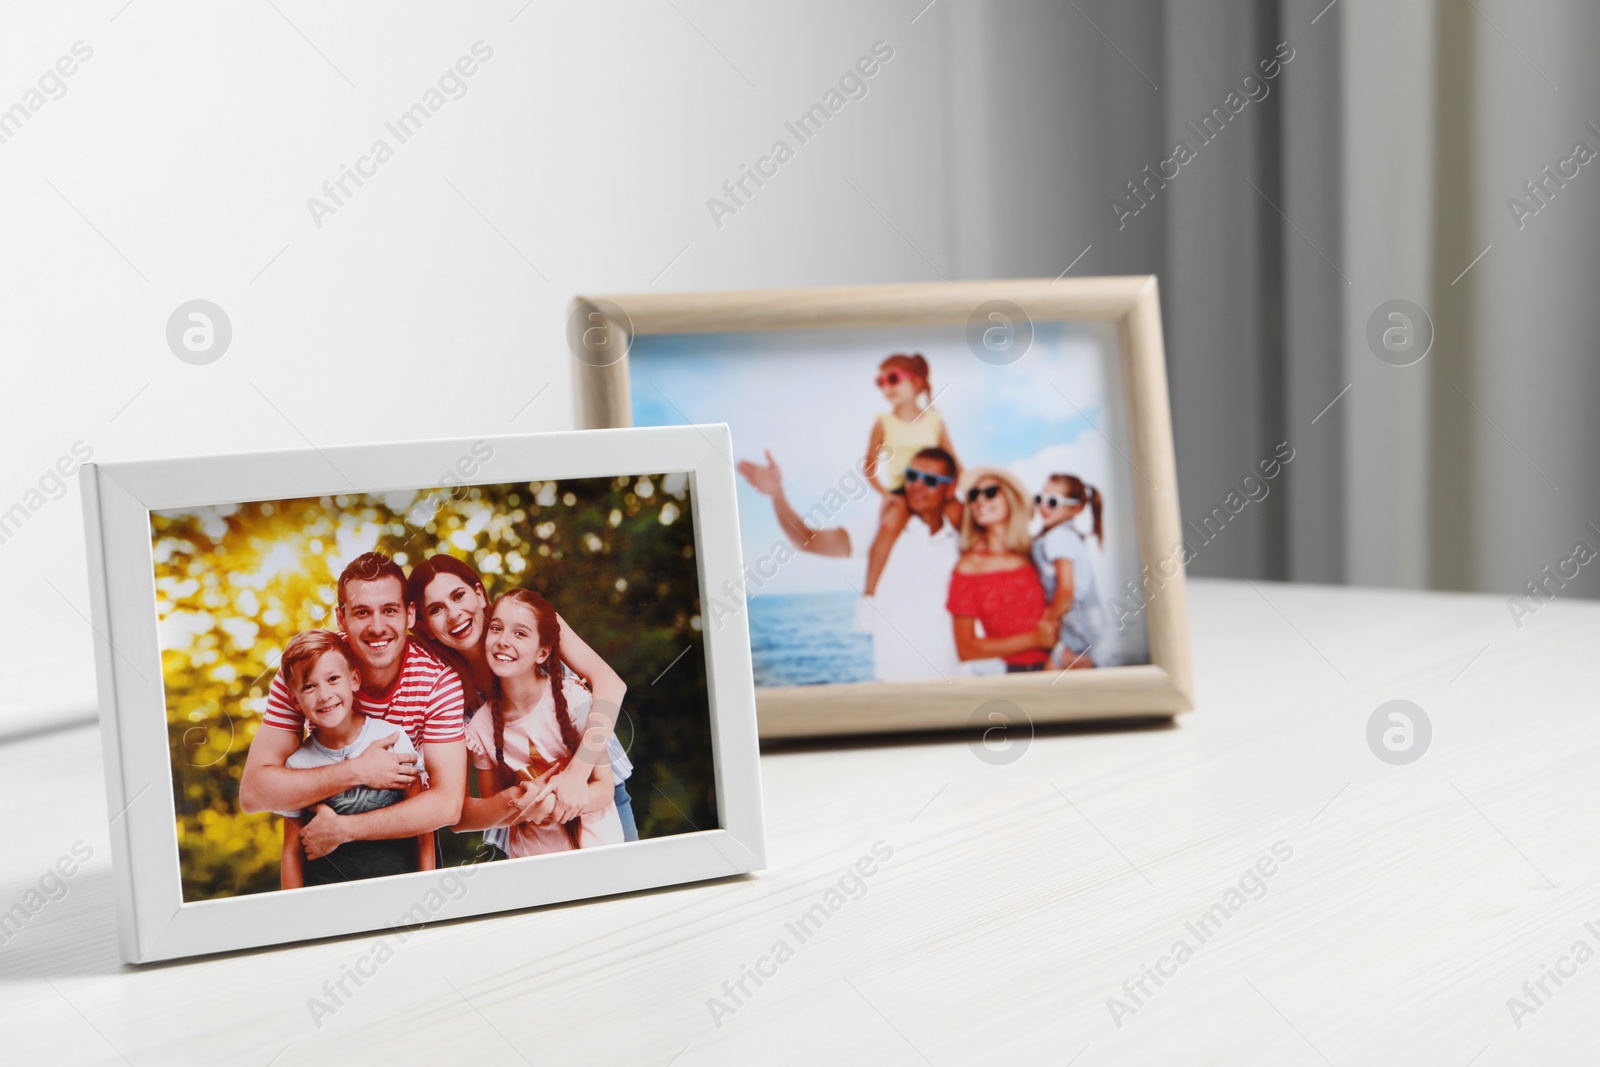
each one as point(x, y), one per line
point(958, 502)
point(355, 688)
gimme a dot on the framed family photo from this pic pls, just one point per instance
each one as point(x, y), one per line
point(370, 687)
point(958, 502)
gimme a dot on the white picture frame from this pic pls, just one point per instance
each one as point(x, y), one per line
point(154, 922)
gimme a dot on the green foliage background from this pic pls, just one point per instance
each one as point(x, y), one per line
point(235, 582)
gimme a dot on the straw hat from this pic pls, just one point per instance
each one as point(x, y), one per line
point(972, 475)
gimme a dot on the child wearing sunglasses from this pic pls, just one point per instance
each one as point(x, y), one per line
point(897, 436)
point(1061, 554)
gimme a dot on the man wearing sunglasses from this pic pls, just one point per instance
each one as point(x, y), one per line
point(912, 639)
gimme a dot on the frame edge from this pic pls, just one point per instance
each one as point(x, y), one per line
point(110, 728)
point(1130, 302)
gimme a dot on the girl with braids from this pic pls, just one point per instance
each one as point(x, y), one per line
point(1061, 554)
point(527, 731)
point(897, 436)
point(452, 619)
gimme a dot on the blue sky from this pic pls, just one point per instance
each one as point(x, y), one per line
point(809, 397)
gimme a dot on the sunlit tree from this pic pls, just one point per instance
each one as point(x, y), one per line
point(235, 582)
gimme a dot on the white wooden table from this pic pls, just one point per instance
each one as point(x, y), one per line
point(1018, 900)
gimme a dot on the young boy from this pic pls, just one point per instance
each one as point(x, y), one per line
point(321, 674)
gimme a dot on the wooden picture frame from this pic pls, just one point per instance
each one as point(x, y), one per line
point(603, 330)
point(157, 921)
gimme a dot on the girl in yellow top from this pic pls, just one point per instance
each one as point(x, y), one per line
point(897, 436)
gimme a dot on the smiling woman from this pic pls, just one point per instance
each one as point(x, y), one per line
point(994, 583)
point(452, 621)
point(273, 792)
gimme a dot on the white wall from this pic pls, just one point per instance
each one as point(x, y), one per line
point(591, 140)
point(179, 162)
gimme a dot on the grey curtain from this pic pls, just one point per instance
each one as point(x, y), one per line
point(1070, 103)
point(1381, 166)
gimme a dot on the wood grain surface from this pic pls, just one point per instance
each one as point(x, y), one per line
point(1019, 894)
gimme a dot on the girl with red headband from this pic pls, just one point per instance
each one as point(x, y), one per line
point(897, 436)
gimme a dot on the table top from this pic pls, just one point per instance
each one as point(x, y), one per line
point(1251, 884)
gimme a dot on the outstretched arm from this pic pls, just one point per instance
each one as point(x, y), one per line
point(768, 481)
point(833, 541)
point(605, 685)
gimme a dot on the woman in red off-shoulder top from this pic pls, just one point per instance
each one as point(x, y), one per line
point(995, 582)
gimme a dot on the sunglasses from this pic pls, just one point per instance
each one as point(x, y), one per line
point(932, 481)
point(1055, 501)
point(988, 492)
point(892, 378)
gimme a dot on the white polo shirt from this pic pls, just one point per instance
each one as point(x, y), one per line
point(913, 639)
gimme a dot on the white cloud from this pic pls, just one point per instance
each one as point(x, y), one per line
point(809, 398)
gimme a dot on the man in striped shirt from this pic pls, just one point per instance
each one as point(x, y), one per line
point(402, 683)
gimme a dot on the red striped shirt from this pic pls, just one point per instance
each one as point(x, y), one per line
point(425, 701)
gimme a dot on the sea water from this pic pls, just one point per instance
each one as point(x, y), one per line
point(807, 639)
